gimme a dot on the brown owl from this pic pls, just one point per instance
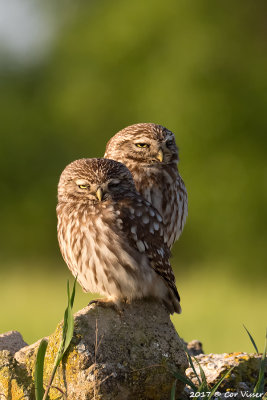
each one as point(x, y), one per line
point(110, 237)
point(151, 154)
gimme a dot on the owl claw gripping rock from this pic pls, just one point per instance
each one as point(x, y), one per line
point(111, 238)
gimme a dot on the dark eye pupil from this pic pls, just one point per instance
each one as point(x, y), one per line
point(169, 143)
point(111, 185)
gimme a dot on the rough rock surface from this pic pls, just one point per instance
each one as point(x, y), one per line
point(241, 381)
point(194, 347)
point(111, 356)
point(11, 341)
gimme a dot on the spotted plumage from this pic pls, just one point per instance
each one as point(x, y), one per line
point(110, 236)
point(151, 154)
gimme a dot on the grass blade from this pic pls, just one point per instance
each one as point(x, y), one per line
point(73, 292)
point(214, 389)
point(192, 364)
point(173, 390)
point(252, 340)
point(185, 380)
point(69, 326)
point(67, 334)
point(39, 370)
point(204, 384)
point(259, 388)
point(68, 317)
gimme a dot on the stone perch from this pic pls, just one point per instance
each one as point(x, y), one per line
point(11, 341)
point(111, 356)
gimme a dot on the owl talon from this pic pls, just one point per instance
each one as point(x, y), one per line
point(106, 303)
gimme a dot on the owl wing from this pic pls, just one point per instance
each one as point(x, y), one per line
point(143, 227)
point(182, 201)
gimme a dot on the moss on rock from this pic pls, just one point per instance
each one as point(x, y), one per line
point(111, 356)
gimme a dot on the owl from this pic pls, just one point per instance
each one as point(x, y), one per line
point(111, 238)
point(151, 154)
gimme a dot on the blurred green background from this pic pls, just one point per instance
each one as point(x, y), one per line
point(71, 76)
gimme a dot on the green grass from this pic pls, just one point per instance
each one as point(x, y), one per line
point(259, 387)
point(67, 334)
point(214, 305)
point(203, 389)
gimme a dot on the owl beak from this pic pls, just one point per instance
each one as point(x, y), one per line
point(99, 193)
point(160, 155)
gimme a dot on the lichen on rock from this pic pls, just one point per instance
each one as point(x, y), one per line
point(111, 356)
point(240, 381)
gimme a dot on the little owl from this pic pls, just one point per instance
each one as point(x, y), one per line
point(151, 154)
point(110, 237)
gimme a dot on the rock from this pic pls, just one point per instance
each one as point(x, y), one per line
point(194, 347)
point(12, 341)
point(242, 378)
point(111, 356)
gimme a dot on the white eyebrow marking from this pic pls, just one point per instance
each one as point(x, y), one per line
point(114, 181)
point(81, 182)
point(142, 139)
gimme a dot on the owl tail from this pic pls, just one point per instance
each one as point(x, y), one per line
point(173, 303)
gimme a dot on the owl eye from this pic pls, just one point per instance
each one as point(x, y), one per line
point(142, 145)
point(83, 186)
point(113, 184)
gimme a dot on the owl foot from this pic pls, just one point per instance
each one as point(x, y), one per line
point(107, 303)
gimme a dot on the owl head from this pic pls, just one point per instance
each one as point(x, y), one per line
point(94, 180)
point(144, 143)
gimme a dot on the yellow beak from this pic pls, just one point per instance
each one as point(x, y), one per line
point(99, 194)
point(160, 155)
